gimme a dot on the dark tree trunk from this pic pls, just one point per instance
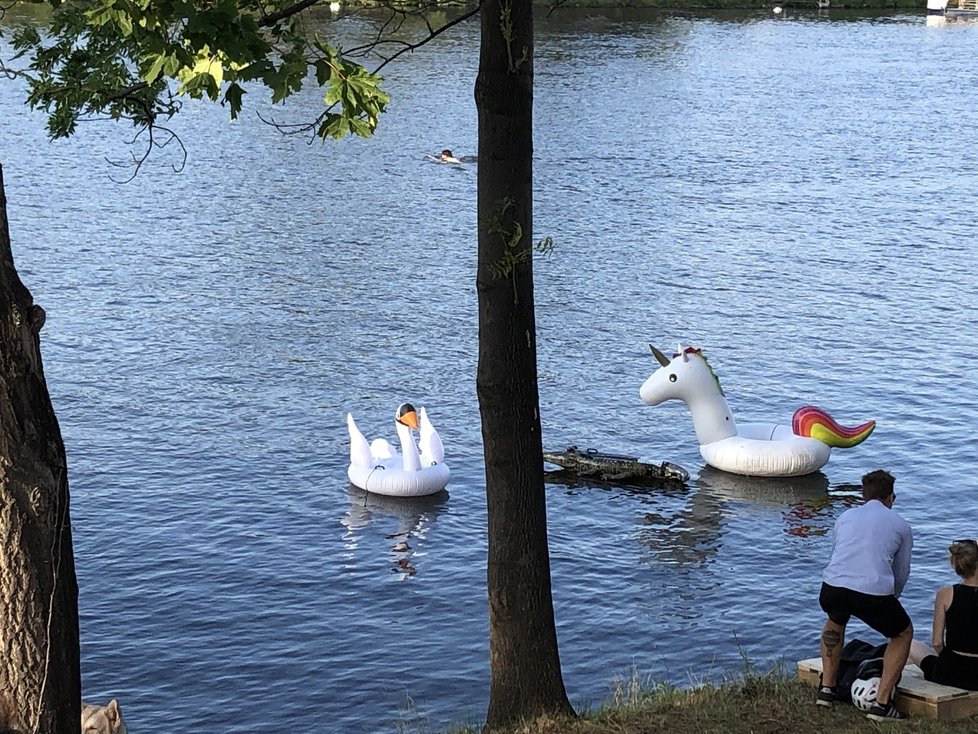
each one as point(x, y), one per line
point(524, 662)
point(40, 677)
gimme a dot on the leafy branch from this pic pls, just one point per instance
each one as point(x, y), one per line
point(512, 256)
point(137, 61)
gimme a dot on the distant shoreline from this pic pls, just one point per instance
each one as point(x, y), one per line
point(708, 6)
point(39, 12)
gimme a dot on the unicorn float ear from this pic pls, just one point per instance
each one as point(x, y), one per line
point(659, 356)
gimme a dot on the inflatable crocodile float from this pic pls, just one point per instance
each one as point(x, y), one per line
point(614, 467)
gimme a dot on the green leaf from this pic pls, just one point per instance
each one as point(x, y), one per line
point(232, 98)
point(156, 68)
point(171, 66)
point(125, 23)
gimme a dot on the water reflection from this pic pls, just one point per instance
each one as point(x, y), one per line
point(410, 519)
point(780, 490)
point(685, 534)
point(952, 17)
point(692, 534)
point(683, 525)
point(805, 500)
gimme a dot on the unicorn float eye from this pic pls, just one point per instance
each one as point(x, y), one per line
point(672, 377)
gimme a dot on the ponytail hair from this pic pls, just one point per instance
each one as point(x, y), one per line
point(964, 557)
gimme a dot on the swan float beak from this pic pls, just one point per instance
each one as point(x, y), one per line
point(407, 415)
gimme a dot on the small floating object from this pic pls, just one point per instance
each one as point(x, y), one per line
point(417, 470)
point(777, 10)
point(751, 449)
point(614, 467)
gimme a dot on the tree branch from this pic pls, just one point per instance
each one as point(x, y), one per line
point(273, 18)
point(13, 73)
point(433, 33)
point(123, 93)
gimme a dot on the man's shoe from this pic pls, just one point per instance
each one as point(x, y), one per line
point(825, 696)
point(885, 712)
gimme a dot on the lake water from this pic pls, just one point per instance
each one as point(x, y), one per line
point(792, 194)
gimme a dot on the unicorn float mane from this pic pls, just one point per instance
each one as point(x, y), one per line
point(699, 353)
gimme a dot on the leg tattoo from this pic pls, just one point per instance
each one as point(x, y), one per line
point(831, 639)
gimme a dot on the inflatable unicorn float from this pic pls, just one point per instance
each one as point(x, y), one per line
point(417, 470)
point(752, 449)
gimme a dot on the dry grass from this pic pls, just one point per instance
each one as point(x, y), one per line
point(771, 704)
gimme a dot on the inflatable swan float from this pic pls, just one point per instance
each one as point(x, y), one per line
point(416, 471)
point(752, 449)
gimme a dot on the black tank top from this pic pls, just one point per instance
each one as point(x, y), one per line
point(961, 620)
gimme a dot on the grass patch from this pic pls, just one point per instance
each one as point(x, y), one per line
point(767, 704)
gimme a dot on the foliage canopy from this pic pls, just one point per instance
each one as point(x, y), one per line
point(136, 60)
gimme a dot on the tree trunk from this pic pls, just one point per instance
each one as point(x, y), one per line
point(40, 677)
point(524, 662)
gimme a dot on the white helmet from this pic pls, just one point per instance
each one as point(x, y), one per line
point(864, 693)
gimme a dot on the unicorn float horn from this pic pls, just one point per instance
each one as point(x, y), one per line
point(659, 356)
point(813, 422)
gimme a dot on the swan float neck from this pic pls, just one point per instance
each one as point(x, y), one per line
point(407, 420)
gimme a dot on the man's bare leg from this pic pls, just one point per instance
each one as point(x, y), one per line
point(833, 635)
point(895, 657)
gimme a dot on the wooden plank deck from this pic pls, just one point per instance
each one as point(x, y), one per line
point(916, 696)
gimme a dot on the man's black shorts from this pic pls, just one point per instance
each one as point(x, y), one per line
point(885, 614)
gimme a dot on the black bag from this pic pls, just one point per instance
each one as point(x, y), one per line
point(859, 660)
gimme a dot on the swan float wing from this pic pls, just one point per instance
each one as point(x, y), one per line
point(382, 450)
point(429, 442)
point(360, 453)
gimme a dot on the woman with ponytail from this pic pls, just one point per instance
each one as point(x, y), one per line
point(953, 659)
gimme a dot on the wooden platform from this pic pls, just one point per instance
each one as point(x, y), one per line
point(916, 696)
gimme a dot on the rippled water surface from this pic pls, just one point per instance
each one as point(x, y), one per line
point(791, 194)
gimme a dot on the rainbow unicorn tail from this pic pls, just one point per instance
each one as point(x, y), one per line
point(813, 422)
